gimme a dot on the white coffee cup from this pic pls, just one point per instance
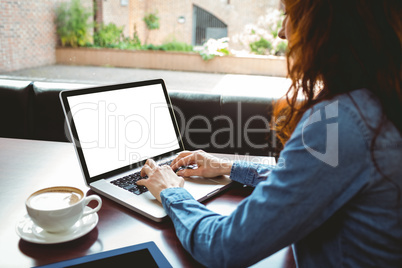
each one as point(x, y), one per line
point(57, 209)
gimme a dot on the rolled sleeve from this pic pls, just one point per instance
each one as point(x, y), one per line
point(249, 173)
point(176, 194)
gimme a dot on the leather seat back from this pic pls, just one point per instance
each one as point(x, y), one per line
point(15, 109)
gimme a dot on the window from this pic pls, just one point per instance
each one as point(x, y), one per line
point(206, 26)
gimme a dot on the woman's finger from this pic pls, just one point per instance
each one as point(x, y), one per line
point(180, 156)
point(184, 161)
point(151, 163)
point(188, 172)
point(142, 182)
point(146, 169)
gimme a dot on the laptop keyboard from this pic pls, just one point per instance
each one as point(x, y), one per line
point(129, 182)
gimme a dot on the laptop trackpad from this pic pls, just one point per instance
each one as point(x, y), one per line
point(200, 187)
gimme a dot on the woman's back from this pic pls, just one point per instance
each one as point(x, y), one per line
point(366, 230)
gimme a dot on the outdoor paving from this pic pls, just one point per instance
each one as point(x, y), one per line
point(232, 84)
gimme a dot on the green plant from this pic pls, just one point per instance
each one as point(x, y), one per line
point(136, 39)
point(72, 24)
point(213, 48)
point(152, 22)
point(261, 47)
point(262, 37)
point(108, 35)
point(275, 27)
point(131, 43)
point(128, 43)
point(177, 46)
point(170, 46)
point(281, 48)
point(112, 36)
point(151, 47)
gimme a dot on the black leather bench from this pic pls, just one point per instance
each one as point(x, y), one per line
point(212, 122)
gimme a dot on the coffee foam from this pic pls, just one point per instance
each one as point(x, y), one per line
point(54, 199)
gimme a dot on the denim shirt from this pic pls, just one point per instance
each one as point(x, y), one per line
point(331, 196)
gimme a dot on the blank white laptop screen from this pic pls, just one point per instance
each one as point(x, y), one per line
point(121, 127)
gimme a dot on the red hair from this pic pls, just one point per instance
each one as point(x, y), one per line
point(337, 46)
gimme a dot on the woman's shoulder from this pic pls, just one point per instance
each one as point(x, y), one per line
point(362, 109)
point(360, 102)
point(346, 109)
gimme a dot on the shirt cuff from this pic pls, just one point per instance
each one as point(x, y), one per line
point(175, 194)
point(244, 172)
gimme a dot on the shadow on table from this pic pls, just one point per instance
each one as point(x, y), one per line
point(50, 253)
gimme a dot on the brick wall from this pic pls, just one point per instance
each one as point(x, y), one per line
point(27, 33)
point(114, 12)
point(234, 13)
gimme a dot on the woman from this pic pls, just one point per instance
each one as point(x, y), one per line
point(337, 198)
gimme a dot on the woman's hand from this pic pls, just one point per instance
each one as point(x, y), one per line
point(206, 165)
point(159, 178)
point(163, 177)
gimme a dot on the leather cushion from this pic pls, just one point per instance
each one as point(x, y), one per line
point(249, 121)
point(49, 121)
point(195, 113)
point(15, 108)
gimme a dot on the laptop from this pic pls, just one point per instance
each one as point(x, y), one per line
point(115, 129)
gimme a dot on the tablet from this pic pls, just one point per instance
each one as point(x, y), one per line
point(141, 255)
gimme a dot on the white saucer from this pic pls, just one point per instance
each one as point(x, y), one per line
point(28, 230)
